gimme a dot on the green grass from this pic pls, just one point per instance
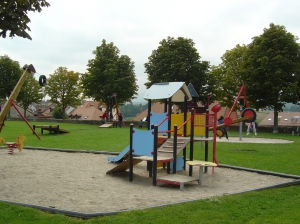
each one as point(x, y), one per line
point(81, 136)
point(280, 205)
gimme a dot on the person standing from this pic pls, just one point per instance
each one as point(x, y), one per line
point(103, 117)
point(251, 125)
point(120, 119)
point(141, 124)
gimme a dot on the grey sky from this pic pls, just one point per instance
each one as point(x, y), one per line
point(66, 33)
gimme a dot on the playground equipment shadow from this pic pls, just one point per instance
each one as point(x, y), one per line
point(77, 184)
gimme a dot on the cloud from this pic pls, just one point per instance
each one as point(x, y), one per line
point(67, 32)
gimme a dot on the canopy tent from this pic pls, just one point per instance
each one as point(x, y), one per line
point(165, 90)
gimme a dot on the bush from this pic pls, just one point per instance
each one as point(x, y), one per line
point(58, 113)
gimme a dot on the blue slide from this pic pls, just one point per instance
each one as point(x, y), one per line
point(142, 146)
point(118, 158)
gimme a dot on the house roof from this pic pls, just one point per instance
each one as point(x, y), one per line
point(284, 119)
point(192, 90)
point(165, 90)
point(88, 111)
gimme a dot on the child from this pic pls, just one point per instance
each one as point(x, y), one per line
point(252, 125)
point(141, 124)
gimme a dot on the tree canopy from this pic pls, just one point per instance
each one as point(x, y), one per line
point(178, 60)
point(272, 70)
point(10, 73)
point(14, 16)
point(108, 74)
point(229, 75)
point(63, 88)
point(31, 92)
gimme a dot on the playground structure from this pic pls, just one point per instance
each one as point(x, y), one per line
point(247, 114)
point(166, 149)
point(19, 144)
point(14, 94)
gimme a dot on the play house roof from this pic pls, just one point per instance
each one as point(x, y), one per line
point(166, 90)
point(192, 90)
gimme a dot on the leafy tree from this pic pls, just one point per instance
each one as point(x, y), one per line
point(10, 73)
point(131, 110)
point(178, 60)
point(13, 16)
point(31, 92)
point(110, 74)
point(63, 88)
point(272, 70)
point(230, 75)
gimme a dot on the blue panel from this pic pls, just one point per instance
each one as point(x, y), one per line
point(156, 119)
point(143, 142)
point(179, 163)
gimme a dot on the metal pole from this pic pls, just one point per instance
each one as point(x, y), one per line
point(175, 149)
point(154, 165)
point(130, 154)
point(192, 142)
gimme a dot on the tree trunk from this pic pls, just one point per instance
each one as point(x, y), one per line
point(275, 128)
point(25, 109)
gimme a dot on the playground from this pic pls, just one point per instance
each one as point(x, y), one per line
point(83, 184)
point(78, 182)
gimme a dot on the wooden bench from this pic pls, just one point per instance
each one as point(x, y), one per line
point(50, 128)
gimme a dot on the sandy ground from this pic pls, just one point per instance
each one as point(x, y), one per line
point(78, 182)
point(253, 139)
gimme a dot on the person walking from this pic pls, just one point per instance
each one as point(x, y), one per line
point(141, 124)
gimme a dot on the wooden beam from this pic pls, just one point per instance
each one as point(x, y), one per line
point(233, 122)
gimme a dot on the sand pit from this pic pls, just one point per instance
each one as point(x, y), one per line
point(78, 182)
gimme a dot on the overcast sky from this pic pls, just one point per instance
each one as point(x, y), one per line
point(66, 33)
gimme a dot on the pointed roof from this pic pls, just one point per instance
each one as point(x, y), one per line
point(87, 111)
point(192, 90)
point(166, 90)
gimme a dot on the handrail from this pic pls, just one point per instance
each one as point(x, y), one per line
point(184, 123)
point(167, 118)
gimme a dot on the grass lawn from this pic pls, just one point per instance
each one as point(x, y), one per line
point(280, 205)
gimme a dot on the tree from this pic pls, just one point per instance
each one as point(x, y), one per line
point(272, 68)
point(58, 113)
point(13, 16)
point(229, 75)
point(10, 73)
point(110, 74)
point(178, 60)
point(63, 88)
point(31, 92)
point(131, 110)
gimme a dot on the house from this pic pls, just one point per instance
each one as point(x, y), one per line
point(13, 113)
point(284, 119)
point(90, 110)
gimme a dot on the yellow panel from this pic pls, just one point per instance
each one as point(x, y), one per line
point(199, 122)
point(178, 120)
